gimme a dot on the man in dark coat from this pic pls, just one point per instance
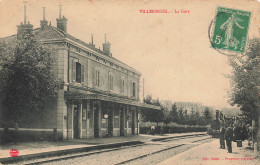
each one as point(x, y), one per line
point(235, 133)
point(229, 137)
point(222, 136)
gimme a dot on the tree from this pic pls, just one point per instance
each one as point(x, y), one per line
point(192, 113)
point(166, 115)
point(197, 117)
point(207, 115)
point(192, 118)
point(174, 114)
point(245, 80)
point(27, 79)
point(150, 114)
point(180, 114)
point(165, 107)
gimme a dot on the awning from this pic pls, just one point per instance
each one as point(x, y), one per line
point(80, 96)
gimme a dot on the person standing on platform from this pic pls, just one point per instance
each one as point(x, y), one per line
point(222, 136)
point(235, 132)
point(229, 137)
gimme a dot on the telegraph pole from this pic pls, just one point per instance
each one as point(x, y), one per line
point(25, 2)
point(143, 90)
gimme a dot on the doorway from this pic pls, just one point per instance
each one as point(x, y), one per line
point(76, 122)
point(122, 126)
point(110, 121)
point(133, 122)
point(96, 120)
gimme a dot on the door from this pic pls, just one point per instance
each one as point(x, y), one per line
point(110, 121)
point(133, 122)
point(76, 122)
point(122, 124)
point(96, 119)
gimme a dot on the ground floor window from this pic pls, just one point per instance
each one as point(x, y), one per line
point(116, 118)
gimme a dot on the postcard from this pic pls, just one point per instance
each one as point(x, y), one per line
point(129, 82)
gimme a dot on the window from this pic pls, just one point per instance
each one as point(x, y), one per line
point(77, 72)
point(97, 78)
point(122, 85)
point(116, 118)
point(133, 92)
point(111, 81)
point(82, 73)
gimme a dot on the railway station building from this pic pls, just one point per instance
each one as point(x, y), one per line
point(100, 95)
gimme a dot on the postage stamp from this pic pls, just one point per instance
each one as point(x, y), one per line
point(231, 29)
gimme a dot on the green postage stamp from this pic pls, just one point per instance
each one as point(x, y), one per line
point(231, 28)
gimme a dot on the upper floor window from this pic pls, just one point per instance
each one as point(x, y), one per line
point(97, 78)
point(122, 85)
point(111, 81)
point(77, 72)
point(133, 88)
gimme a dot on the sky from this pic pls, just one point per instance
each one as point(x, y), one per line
point(172, 51)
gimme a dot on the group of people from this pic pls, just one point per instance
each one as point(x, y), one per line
point(232, 133)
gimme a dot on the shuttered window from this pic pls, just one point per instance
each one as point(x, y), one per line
point(133, 89)
point(73, 71)
point(97, 78)
point(77, 72)
point(122, 85)
point(111, 82)
point(82, 73)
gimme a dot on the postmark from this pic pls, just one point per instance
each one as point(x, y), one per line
point(230, 30)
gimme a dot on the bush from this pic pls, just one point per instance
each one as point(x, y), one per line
point(171, 128)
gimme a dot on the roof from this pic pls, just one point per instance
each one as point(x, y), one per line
point(50, 32)
point(97, 94)
point(80, 96)
point(8, 39)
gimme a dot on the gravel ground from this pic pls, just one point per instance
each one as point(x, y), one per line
point(114, 157)
point(157, 158)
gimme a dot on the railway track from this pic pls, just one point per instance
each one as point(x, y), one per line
point(149, 154)
point(56, 159)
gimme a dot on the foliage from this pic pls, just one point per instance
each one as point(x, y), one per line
point(245, 80)
point(171, 114)
point(27, 79)
point(207, 115)
point(180, 114)
point(166, 116)
point(174, 114)
point(150, 114)
point(146, 129)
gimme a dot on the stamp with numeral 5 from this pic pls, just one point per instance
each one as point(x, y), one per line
point(231, 29)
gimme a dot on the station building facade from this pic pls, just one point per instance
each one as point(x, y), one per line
point(100, 95)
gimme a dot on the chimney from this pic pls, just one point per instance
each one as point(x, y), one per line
point(217, 114)
point(221, 116)
point(62, 22)
point(92, 40)
point(106, 47)
point(43, 21)
point(24, 27)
